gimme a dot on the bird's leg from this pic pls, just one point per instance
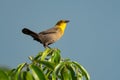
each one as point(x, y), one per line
point(46, 45)
point(49, 47)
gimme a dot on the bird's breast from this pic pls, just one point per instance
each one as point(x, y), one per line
point(53, 37)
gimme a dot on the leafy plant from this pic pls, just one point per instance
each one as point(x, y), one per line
point(47, 65)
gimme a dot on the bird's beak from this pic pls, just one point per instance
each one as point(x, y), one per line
point(67, 21)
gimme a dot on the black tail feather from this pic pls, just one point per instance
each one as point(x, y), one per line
point(31, 33)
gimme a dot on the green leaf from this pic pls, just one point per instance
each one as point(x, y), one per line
point(79, 76)
point(45, 53)
point(18, 71)
point(48, 74)
point(31, 58)
point(54, 76)
point(38, 56)
point(20, 67)
point(37, 73)
point(58, 68)
point(3, 75)
point(50, 65)
point(72, 71)
point(83, 70)
point(65, 74)
point(56, 56)
point(12, 74)
point(26, 76)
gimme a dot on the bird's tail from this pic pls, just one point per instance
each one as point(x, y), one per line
point(31, 33)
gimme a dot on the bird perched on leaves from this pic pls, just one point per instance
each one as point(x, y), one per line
point(48, 36)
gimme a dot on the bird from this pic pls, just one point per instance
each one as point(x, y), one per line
point(50, 35)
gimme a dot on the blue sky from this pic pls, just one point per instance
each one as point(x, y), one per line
point(92, 37)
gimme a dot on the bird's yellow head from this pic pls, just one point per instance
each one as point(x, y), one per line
point(62, 24)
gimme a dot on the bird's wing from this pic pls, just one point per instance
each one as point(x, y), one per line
point(50, 31)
